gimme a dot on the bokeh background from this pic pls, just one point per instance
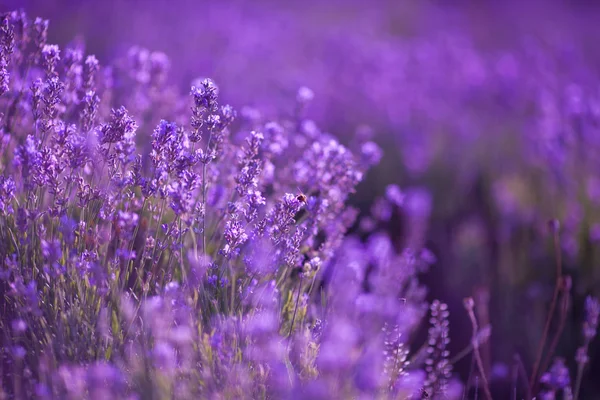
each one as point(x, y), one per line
point(488, 113)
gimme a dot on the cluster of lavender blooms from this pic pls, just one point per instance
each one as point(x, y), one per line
point(558, 378)
point(533, 103)
point(159, 245)
point(504, 137)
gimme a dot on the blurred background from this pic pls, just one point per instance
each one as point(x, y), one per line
point(488, 114)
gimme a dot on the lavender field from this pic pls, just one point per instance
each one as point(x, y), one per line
point(299, 200)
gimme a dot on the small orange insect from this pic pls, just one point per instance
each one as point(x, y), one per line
point(301, 197)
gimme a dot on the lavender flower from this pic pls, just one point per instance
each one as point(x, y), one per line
point(557, 378)
point(153, 244)
point(590, 326)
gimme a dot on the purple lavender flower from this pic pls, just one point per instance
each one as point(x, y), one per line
point(27, 157)
point(50, 58)
point(590, 326)
point(7, 44)
point(205, 102)
point(371, 153)
point(437, 366)
point(40, 27)
point(121, 127)
point(7, 191)
point(557, 378)
point(52, 253)
point(235, 236)
point(90, 70)
point(4, 77)
point(215, 258)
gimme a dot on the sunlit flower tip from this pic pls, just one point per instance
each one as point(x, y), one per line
point(19, 326)
point(395, 195)
point(371, 153)
point(304, 95)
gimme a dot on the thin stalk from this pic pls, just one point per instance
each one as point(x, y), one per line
point(557, 286)
point(562, 322)
point(181, 266)
point(469, 308)
point(580, 367)
point(204, 164)
point(232, 298)
point(137, 226)
point(522, 372)
point(295, 308)
point(466, 351)
point(469, 379)
point(204, 208)
point(160, 217)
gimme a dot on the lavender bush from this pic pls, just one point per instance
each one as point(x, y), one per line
point(158, 244)
point(204, 257)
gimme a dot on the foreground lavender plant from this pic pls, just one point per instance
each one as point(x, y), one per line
point(158, 245)
point(196, 256)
